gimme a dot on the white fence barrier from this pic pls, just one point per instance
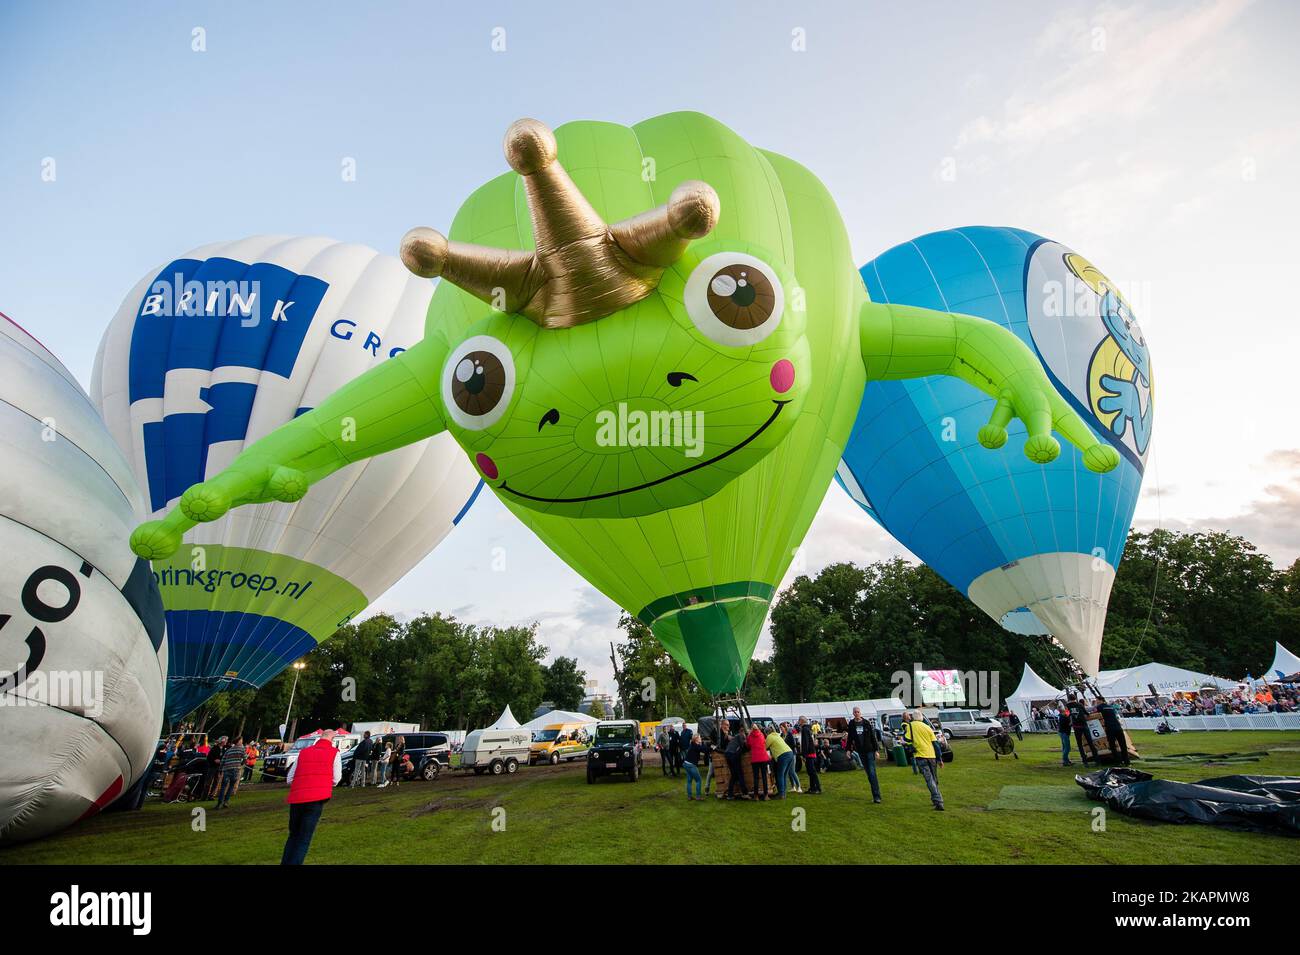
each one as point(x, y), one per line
point(1236, 721)
point(1242, 721)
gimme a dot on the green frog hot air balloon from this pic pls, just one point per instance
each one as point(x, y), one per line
point(652, 343)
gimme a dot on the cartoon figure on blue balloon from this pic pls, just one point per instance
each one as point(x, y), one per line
point(1119, 372)
point(1125, 394)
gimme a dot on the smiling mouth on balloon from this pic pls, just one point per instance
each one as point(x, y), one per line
point(667, 477)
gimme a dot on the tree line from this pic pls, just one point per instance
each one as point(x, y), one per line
point(433, 670)
point(1205, 601)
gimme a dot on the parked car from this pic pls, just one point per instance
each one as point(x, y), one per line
point(277, 767)
point(430, 752)
point(616, 748)
point(559, 742)
point(964, 724)
point(495, 751)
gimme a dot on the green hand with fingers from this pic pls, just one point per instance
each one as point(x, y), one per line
point(903, 341)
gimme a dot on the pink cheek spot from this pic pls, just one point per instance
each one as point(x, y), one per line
point(486, 465)
point(782, 376)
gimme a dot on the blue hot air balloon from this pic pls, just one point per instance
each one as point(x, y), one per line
point(1034, 547)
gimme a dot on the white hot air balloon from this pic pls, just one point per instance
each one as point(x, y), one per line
point(215, 350)
point(82, 649)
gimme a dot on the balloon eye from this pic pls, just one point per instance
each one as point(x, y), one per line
point(735, 299)
point(478, 386)
point(480, 383)
point(741, 297)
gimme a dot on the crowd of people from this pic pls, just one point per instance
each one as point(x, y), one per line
point(779, 752)
point(203, 771)
point(1280, 698)
point(381, 763)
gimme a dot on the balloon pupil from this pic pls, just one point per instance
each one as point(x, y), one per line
point(476, 382)
point(744, 295)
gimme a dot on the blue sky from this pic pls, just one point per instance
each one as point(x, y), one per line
point(1160, 140)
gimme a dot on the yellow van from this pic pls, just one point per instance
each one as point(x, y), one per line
point(559, 742)
point(648, 730)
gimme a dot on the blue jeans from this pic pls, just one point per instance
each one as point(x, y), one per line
point(303, 817)
point(869, 759)
point(229, 777)
point(792, 771)
point(693, 776)
point(931, 773)
point(784, 769)
point(1065, 749)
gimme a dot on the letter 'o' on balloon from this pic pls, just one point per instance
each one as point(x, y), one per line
point(83, 653)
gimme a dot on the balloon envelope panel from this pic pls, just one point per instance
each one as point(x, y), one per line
point(1035, 546)
point(213, 351)
point(82, 650)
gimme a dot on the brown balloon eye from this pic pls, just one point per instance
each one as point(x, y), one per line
point(478, 382)
point(741, 296)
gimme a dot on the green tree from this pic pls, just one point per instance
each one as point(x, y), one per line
point(653, 684)
point(563, 683)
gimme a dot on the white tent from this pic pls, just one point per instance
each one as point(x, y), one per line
point(872, 709)
point(506, 721)
point(1136, 681)
point(1284, 664)
point(559, 716)
point(1032, 689)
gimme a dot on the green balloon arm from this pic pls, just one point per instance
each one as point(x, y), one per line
point(393, 404)
point(903, 341)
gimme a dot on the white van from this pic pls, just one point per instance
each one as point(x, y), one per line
point(964, 724)
point(495, 751)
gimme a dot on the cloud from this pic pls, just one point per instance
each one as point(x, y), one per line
point(1119, 61)
point(1271, 522)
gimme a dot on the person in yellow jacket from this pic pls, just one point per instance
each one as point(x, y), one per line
point(920, 736)
point(784, 757)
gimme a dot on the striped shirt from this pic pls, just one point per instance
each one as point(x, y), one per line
point(233, 758)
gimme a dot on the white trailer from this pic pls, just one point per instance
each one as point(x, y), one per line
point(495, 751)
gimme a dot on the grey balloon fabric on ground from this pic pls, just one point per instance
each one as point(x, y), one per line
point(1249, 803)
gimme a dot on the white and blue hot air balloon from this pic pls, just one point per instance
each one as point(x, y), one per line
point(213, 351)
point(83, 654)
point(1035, 547)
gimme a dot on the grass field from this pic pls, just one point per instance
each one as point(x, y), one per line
point(1027, 810)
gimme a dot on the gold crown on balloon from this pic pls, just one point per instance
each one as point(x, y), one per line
point(581, 269)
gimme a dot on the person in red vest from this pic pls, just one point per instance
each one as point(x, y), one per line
point(312, 779)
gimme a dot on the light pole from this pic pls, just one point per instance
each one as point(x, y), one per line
point(298, 667)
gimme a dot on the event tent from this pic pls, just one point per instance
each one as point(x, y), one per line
point(506, 721)
point(559, 716)
point(1137, 681)
point(1284, 664)
point(1032, 689)
point(823, 711)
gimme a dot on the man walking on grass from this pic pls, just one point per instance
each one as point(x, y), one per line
point(862, 740)
point(232, 768)
point(361, 760)
point(312, 779)
point(920, 735)
point(1063, 730)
